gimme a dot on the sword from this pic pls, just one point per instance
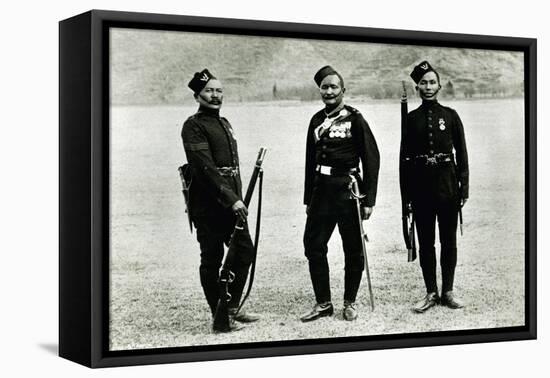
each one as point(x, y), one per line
point(460, 217)
point(354, 188)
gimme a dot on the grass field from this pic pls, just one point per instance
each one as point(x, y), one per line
point(156, 298)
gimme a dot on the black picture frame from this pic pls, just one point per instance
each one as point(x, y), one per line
point(84, 189)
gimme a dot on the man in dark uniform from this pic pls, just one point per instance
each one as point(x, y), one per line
point(215, 195)
point(338, 139)
point(435, 182)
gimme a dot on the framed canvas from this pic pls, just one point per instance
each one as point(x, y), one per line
point(131, 284)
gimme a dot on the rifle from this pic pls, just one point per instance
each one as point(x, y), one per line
point(221, 315)
point(186, 180)
point(407, 216)
point(354, 188)
point(256, 241)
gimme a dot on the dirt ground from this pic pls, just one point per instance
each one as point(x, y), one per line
point(156, 298)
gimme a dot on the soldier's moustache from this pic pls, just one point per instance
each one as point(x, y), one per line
point(215, 101)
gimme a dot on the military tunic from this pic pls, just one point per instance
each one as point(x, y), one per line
point(434, 177)
point(211, 149)
point(210, 144)
point(339, 143)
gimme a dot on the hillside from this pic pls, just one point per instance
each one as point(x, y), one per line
point(153, 67)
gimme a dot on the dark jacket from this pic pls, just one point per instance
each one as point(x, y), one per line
point(209, 144)
point(433, 129)
point(350, 143)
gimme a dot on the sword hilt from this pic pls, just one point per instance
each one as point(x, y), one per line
point(354, 188)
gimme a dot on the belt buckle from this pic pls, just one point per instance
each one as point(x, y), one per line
point(431, 160)
point(324, 170)
point(228, 171)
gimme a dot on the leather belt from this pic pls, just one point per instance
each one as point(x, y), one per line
point(433, 160)
point(332, 171)
point(228, 171)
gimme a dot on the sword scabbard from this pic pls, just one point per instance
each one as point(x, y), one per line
point(357, 197)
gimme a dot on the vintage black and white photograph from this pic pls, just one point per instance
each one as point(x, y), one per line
point(266, 189)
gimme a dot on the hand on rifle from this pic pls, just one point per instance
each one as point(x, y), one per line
point(366, 212)
point(239, 208)
point(463, 202)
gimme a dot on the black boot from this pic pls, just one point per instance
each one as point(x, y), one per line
point(430, 300)
point(448, 299)
point(231, 326)
point(349, 312)
point(243, 316)
point(318, 311)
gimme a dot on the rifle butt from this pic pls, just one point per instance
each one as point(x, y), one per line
point(221, 321)
point(221, 317)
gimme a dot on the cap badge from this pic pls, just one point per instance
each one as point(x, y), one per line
point(204, 77)
point(424, 66)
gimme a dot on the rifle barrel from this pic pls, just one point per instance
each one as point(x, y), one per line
point(255, 173)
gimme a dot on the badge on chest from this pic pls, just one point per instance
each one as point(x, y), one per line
point(442, 126)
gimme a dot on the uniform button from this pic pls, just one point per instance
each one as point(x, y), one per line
point(324, 147)
point(431, 152)
point(431, 142)
point(430, 125)
point(429, 118)
point(430, 135)
point(323, 155)
point(430, 111)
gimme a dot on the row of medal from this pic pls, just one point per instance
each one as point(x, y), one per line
point(340, 131)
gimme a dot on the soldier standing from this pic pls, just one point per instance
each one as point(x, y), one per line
point(437, 184)
point(216, 191)
point(338, 139)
